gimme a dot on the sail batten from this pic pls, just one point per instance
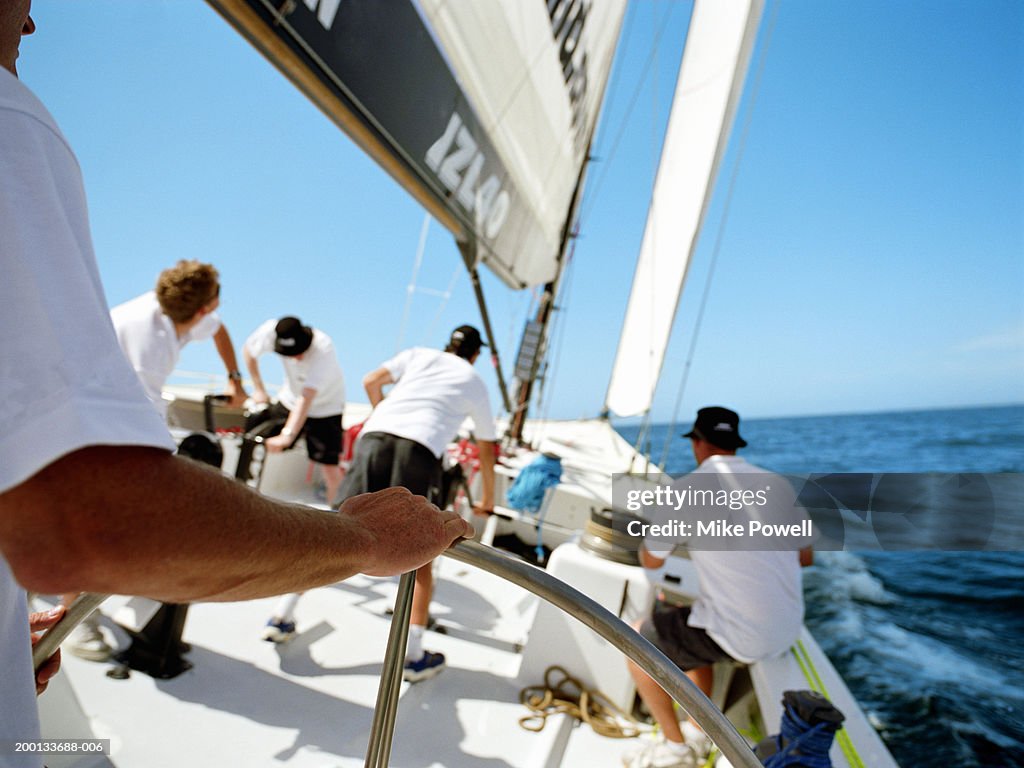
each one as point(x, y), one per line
point(715, 60)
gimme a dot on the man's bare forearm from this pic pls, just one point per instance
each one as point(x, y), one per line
point(139, 521)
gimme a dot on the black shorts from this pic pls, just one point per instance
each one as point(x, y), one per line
point(383, 460)
point(688, 647)
point(323, 435)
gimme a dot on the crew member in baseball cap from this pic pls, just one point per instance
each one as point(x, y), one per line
point(292, 337)
point(403, 443)
point(465, 342)
point(311, 401)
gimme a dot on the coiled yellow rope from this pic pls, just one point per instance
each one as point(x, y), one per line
point(562, 693)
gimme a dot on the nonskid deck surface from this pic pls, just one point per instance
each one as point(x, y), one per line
point(310, 702)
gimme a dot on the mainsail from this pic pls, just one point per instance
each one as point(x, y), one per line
point(718, 48)
point(482, 109)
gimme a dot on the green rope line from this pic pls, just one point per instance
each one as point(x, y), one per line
point(814, 680)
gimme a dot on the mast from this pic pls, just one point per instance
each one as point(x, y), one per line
point(469, 259)
point(545, 310)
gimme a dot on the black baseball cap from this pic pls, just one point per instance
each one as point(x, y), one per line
point(719, 426)
point(293, 338)
point(466, 341)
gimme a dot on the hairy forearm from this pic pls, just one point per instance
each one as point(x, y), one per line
point(647, 560)
point(140, 521)
point(487, 474)
point(253, 366)
point(298, 414)
point(374, 383)
point(225, 349)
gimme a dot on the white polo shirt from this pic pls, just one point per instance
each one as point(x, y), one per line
point(151, 343)
point(64, 381)
point(751, 601)
point(434, 393)
point(316, 368)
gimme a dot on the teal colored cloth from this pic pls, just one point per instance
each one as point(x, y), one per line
point(527, 492)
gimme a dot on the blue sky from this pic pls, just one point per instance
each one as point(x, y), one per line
point(872, 257)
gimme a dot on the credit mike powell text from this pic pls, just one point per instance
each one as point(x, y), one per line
point(756, 511)
point(856, 512)
point(720, 528)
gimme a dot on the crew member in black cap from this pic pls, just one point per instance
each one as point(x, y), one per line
point(750, 605)
point(403, 440)
point(312, 399)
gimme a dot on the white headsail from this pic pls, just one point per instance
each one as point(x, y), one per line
point(718, 48)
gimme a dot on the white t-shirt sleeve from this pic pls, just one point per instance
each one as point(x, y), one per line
point(397, 365)
point(64, 381)
point(320, 371)
point(262, 339)
point(205, 328)
point(482, 415)
point(659, 546)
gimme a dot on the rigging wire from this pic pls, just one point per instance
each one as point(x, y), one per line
point(411, 288)
point(560, 309)
point(643, 434)
point(662, 26)
point(445, 297)
point(647, 422)
point(719, 235)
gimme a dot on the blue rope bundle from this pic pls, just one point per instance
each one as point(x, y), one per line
point(805, 746)
point(527, 492)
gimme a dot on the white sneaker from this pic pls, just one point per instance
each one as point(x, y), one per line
point(697, 740)
point(86, 642)
point(660, 754)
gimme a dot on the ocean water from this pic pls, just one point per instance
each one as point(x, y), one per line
point(930, 643)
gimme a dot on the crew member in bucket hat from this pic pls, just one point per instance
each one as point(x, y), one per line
point(312, 399)
point(750, 603)
point(719, 426)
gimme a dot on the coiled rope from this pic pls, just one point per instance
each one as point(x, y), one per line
point(805, 746)
point(562, 693)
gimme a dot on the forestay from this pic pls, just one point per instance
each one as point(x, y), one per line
point(718, 47)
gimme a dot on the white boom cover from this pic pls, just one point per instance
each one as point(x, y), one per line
point(535, 73)
point(718, 48)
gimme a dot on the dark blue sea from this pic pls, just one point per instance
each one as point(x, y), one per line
point(930, 643)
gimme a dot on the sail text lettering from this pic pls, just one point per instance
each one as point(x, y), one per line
point(568, 20)
point(458, 162)
point(326, 11)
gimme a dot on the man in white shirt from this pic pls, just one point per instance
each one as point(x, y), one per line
point(312, 400)
point(153, 328)
point(401, 444)
point(91, 497)
point(750, 605)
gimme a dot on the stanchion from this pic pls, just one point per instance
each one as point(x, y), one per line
point(382, 729)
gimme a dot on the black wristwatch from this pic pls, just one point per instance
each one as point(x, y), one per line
point(235, 376)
